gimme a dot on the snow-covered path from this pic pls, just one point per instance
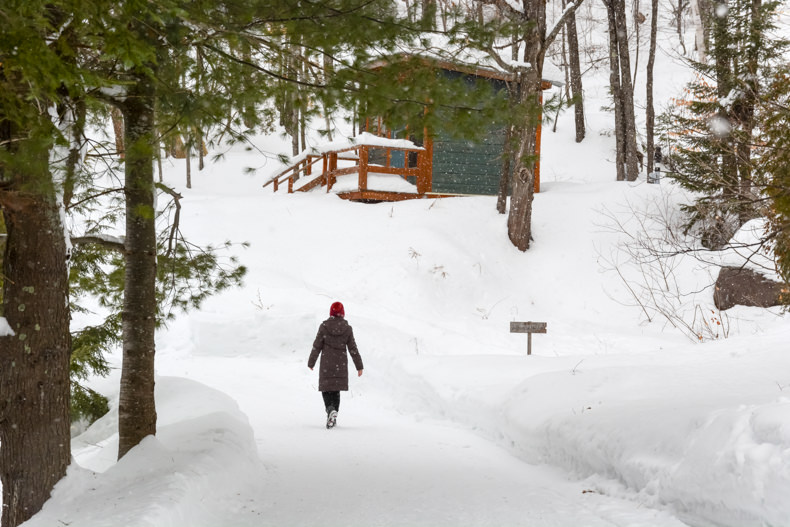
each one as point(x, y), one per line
point(383, 468)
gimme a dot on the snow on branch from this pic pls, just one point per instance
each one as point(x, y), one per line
point(111, 242)
point(512, 4)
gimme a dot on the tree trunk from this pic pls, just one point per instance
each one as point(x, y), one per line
point(724, 84)
point(504, 178)
point(679, 24)
point(188, 159)
point(295, 136)
point(159, 162)
point(745, 111)
point(201, 152)
point(701, 36)
point(329, 70)
point(635, 16)
point(117, 125)
point(519, 224)
point(576, 78)
point(627, 94)
point(199, 128)
point(74, 160)
point(34, 363)
point(565, 63)
point(650, 113)
point(137, 408)
point(614, 85)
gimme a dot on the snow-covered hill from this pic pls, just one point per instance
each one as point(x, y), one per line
point(613, 420)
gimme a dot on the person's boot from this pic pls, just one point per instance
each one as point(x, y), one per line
point(331, 417)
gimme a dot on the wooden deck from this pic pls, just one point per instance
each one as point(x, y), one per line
point(300, 176)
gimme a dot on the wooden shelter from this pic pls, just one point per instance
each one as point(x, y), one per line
point(376, 167)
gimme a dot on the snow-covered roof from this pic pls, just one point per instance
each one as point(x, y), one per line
point(455, 57)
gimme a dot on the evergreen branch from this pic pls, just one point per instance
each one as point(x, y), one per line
point(257, 67)
point(336, 13)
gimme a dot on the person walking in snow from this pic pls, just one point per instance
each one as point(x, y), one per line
point(334, 337)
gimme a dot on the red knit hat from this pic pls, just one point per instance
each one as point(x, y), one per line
point(336, 310)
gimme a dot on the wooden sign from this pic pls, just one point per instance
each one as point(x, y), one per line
point(529, 328)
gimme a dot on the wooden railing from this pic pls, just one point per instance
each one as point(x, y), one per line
point(360, 154)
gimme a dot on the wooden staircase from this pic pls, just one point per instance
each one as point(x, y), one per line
point(374, 181)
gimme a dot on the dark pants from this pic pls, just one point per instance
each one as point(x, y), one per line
point(331, 399)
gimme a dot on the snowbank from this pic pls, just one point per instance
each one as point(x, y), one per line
point(706, 436)
point(746, 249)
point(189, 474)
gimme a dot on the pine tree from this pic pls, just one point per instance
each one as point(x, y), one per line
point(717, 127)
point(774, 168)
point(38, 71)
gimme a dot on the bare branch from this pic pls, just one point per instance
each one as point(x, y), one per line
point(499, 60)
point(504, 6)
point(176, 219)
point(92, 197)
point(569, 10)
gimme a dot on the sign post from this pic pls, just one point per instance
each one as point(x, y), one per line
point(529, 328)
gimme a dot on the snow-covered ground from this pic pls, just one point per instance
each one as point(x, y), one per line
point(613, 420)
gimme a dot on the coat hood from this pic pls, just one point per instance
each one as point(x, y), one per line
point(336, 325)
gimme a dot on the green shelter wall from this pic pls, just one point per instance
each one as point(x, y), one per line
point(468, 167)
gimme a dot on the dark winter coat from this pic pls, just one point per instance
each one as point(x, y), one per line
point(334, 336)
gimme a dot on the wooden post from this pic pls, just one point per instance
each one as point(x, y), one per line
point(330, 179)
point(363, 168)
point(425, 165)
